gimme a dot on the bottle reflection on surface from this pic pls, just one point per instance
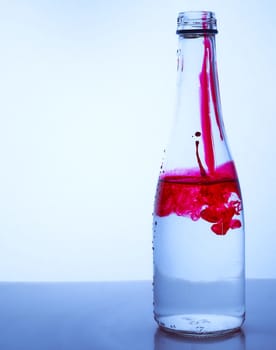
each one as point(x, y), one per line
point(165, 341)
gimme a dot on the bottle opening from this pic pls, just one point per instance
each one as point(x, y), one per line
point(196, 22)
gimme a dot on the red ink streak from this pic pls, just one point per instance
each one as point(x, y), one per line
point(205, 110)
point(213, 75)
point(202, 170)
point(215, 199)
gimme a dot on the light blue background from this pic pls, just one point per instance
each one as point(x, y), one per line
point(86, 101)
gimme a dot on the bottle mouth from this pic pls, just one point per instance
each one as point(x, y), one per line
point(200, 22)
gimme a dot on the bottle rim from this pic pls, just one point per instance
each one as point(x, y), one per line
point(196, 22)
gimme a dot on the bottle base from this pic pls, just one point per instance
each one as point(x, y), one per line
point(200, 325)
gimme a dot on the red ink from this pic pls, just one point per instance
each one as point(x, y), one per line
point(201, 168)
point(205, 109)
point(215, 199)
point(208, 83)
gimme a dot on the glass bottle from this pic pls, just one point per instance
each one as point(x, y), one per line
point(198, 226)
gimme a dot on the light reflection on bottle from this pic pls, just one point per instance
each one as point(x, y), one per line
point(165, 341)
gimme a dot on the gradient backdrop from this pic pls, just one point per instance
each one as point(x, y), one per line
point(86, 101)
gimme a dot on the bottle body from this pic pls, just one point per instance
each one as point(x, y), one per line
point(198, 226)
point(196, 290)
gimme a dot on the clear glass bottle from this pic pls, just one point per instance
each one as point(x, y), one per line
point(198, 226)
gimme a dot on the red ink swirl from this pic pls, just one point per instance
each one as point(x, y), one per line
point(215, 199)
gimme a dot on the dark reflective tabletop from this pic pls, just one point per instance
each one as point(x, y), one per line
point(116, 315)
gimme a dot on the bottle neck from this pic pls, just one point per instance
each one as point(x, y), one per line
point(198, 92)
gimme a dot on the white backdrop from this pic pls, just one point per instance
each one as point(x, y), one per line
point(86, 100)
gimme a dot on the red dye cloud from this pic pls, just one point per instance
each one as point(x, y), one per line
point(215, 199)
